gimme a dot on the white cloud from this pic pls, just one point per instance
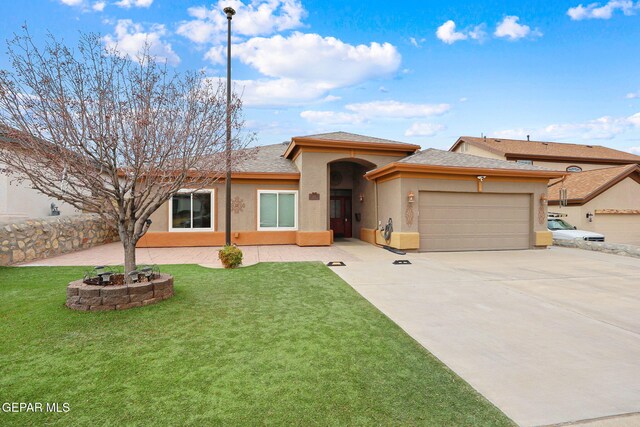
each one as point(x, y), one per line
point(416, 42)
point(303, 68)
point(127, 4)
point(130, 38)
point(258, 18)
point(331, 118)
point(479, 32)
point(395, 109)
point(424, 129)
point(606, 11)
point(633, 95)
point(448, 34)
point(380, 110)
point(326, 60)
point(606, 127)
point(84, 5)
point(634, 150)
point(510, 28)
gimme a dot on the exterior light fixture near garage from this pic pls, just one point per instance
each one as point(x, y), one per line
point(411, 197)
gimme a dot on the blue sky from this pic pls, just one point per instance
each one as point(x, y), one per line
point(423, 72)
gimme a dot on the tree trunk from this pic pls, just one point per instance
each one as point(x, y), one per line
point(129, 257)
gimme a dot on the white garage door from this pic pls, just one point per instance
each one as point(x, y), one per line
point(618, 228)
point(474, 221)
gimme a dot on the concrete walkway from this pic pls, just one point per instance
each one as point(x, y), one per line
point(549, 336)
point(112, 254)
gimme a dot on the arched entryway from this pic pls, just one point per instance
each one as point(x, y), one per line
point(352, 197)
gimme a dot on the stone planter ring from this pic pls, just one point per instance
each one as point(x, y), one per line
point(83, 297)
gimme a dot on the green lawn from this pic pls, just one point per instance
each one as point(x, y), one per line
point(275, 344)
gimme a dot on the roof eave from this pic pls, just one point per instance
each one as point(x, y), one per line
point(459, 170)
point(297, 142)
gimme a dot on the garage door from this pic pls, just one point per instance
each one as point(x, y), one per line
point(618, 228)
point(474, 221)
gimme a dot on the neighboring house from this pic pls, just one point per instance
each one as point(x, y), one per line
point(318, 187)
point(605, 201)
point(551, 155)
point(19, 201)
point(602, 190)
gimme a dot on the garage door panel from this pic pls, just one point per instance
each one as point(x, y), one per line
point(474, 221)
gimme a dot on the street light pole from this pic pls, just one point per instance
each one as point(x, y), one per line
point(229, 12)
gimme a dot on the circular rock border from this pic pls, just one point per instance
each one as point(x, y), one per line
point(83, 297)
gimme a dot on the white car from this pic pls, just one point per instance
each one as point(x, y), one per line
point(562, 230)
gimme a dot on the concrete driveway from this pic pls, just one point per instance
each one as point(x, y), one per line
point(549, 336)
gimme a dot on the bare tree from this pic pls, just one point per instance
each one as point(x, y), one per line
point(111, 135)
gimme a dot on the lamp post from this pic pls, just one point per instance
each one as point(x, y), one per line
point(229, 12)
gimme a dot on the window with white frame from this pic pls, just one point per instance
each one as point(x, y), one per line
point(192, 211)
point(277, 210)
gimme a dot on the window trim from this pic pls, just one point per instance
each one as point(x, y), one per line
point(579, 169)
point(214, 210)
point(295, 212)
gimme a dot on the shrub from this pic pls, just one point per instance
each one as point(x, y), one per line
point(231, 256)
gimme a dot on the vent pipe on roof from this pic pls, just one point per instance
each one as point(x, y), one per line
point(528, 138)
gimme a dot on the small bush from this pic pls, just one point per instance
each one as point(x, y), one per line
point(231, 256)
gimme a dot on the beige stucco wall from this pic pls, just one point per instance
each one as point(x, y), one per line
point(617, 228)
point(20, 201)
point(314, 177)
point(245, 220)
point(476, 151)
point(393, 197)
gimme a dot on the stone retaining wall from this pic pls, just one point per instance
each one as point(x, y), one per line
point(81, 296)
point(34, 239)
point(610, 248)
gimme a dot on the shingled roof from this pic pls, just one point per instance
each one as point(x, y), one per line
point(584, 186)
point(350, 137)
point(434, 157)
point(267, 159)
point(520, 149)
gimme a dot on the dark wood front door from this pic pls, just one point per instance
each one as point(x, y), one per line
point(340, 215)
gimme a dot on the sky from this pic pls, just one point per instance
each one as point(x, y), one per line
point(423, 72)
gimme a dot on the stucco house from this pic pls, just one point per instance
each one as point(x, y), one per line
point(601, 193)
point(319, 187)
point(18, 200)
point(605, 201)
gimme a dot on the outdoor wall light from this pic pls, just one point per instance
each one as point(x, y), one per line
point(411, 197)
point(590, 216)
point(361, 197)
point(543, 199)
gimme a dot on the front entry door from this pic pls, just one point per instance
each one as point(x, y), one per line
point(340, 215)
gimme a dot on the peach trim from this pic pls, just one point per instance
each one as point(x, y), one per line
point(463, 171)
point(216, 238)
point(300, 142)
point(473, 177)
point(314, 238)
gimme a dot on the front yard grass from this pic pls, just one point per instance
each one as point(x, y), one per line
point(276, 344)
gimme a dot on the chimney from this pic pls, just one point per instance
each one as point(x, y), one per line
point(528, 138)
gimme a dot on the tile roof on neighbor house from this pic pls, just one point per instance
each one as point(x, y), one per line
point(434, 157)
point(584, 186)
point(266, 159)
point(350, 137)
point(515, 148)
